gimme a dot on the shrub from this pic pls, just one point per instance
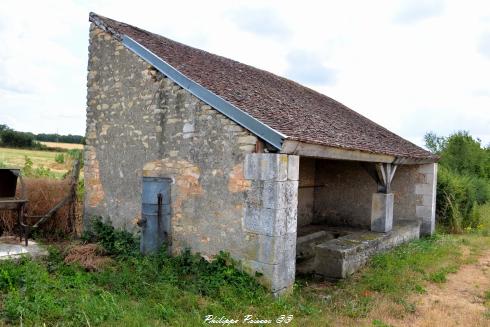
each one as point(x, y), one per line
point(59, 158)
point(29, 171)
point(457, 197)
point(115, 242)
point(76, 154)
point(463, 179)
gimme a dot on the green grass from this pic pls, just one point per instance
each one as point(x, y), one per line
point(180, 291)
point(15, 158)
point(155, 290)
point(399, 273)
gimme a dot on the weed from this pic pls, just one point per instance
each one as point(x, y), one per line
point(40, 171)
point(115, 242)
point(440, 276)
point(409, 307)
point(59, 158)
point(379, 323)
point(180, 290)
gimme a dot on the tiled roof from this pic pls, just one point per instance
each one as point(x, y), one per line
point(296, 111)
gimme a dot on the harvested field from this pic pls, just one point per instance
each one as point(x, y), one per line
point(67, 146)
point(15, 158)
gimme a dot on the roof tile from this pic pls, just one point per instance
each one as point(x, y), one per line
point(297, 111)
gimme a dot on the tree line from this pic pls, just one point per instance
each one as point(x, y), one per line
point(13, 138)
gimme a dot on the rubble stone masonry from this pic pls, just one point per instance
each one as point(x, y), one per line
point(140, 123)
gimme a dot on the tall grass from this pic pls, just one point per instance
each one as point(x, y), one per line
point(43, 194)
point(458, 198)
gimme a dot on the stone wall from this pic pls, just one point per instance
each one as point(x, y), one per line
point(343, 195)
point(340, 193)
point(306, 191)
point(270, 218)
point(121, 131)
point(425, 192)
point(403, 188)
point(140, 123)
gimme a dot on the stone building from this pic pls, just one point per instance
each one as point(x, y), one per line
point(203, 152)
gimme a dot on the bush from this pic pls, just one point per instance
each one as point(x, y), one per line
point(29, 171)
point(115, 242)
point(457, 197)
point(59, 158)
point(463, 179)
point(76, 154)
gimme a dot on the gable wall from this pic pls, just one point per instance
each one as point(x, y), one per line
point(137, 118)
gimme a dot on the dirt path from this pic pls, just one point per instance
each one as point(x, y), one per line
point(460, 301)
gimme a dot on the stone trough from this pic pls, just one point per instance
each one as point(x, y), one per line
point(336, 253)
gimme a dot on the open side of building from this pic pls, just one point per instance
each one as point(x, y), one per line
point(205, 159)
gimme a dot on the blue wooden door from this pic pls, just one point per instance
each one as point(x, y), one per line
point(155, 215)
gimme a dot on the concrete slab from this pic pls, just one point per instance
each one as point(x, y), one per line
point(12, 248)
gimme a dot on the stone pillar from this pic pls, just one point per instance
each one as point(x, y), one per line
point(425, 191)
point(270, 218)
point(382, 212)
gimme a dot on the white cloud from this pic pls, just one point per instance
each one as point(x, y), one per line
point(484, 46)
point(260, 21)
point(412, 66)
point(412, 11)
point(308, 68)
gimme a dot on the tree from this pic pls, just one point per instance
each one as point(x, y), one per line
point(434, 143)
point(17, 139)
point(3, 128)
point(461, 153)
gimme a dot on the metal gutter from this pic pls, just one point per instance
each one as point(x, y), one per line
point(260, 129)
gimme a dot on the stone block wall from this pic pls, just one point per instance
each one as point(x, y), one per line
point(306, 191)
point(425, 191)
point(343, 193)
point(270, 218)
point(340, 193)
point(403, 189)
point(140, 123)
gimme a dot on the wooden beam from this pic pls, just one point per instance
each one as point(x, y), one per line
point(325, 152)
point(328, 152)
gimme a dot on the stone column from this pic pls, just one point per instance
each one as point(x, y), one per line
point(270, 219)
point(425, 190)
point(382, 212)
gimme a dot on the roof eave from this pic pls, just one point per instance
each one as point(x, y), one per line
point(328, 152)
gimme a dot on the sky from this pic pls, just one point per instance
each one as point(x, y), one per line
point(412, 66)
